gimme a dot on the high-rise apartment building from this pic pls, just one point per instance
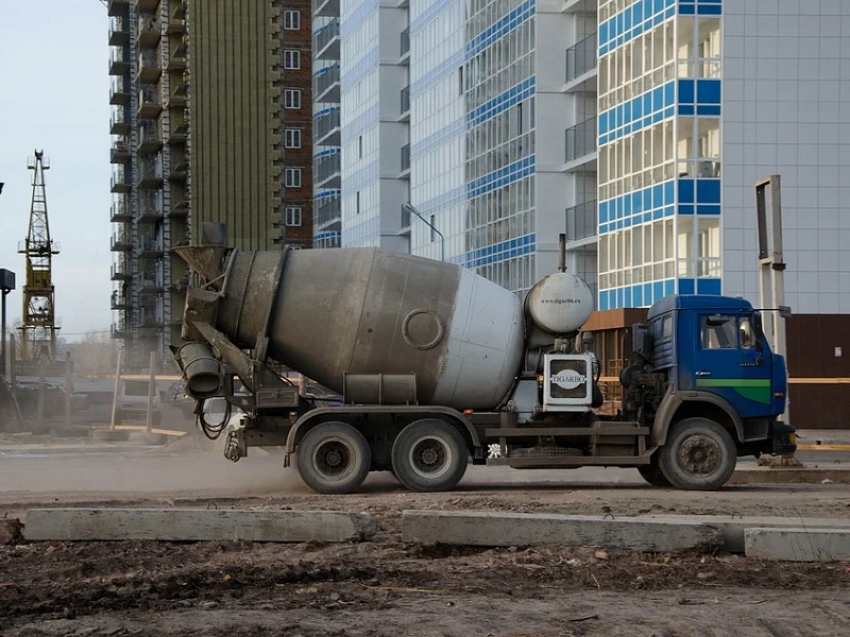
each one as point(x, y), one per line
point(698, 100)
point(150, 203)
point(250, 165)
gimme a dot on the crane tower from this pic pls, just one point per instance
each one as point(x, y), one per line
point(38, 328)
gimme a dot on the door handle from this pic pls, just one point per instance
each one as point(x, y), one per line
point(703, 373)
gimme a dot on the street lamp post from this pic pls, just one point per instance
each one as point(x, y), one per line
point(409, 207)
point(7, 284)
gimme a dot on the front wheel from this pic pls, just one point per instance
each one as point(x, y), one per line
point(334, 458)
point(429, 455)
point(699, 455)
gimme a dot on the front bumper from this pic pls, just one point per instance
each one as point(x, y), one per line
point(784, 439)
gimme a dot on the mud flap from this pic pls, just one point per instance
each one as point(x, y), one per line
point(784, 439)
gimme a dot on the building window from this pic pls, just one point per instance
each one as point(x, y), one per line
point(292, 59)
point(357, 205)
point(292, 98)
point(291, 20)
point(292, 215)
point(292, 138)
point(360, 147)
point(293, 178)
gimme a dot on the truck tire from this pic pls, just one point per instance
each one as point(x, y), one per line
point(699, 455)
point(334, 458)
point(429, 455)
point(652, 473)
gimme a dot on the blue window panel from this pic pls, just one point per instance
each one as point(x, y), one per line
point(708, 210)
point(669, 212)
point(657, 290)
point(708, 190)
point(686, 91)
point(708, 286)
point(627, 19)
point(603, 212)
point(624, 206)
point(637, 295)
point(686, 191)
point(657, 99)
point(638, 9)
point(648, 298)
point(686, 9)
point(656, 214)
point(709, 10)
point(669, 192)
point(647, 199)
point(669, 111)
point(649, 215)
point(620, 297)
point(637, 202)
point(603, 300)
point(620, 225)
point(628, 298)
point(708, 92)
point(670, 12)
point(687, 286)
point(669, 287)
point(658, 5)
point(709, 110)
point(686, 209)
point(686, 110)
point(604, 31)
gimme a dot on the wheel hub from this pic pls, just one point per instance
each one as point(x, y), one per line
point(700, 455)
point(333, 458)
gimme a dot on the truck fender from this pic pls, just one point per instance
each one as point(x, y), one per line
point(305, 421)
point(674, 400)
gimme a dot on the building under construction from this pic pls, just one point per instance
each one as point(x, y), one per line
point(202, 136)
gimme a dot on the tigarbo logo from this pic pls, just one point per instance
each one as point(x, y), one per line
point(568, 380)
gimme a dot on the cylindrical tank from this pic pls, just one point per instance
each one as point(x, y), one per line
point(371, 311)
point(560, 303)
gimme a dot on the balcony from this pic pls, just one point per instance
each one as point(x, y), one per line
point(151, 283)
point(180, 208)
point(145, 6)
point(149, 69)
point(404, 45)
point(179, 170)
point(175, 26)
point(178, 9)
point(119, 153)
point(580, 6)
point(119, 94)
point(328, 212)
point(119, 62)
point(404, 103)
point(326, 41)
point(177, 57)
point(581, 222)
point(117, 7)
point(150, 247)
point(149, 33)
point(120, 211)
point(581, 142)
point(179, 133)
point(120, 241)
point(120, 182)
point(405, 159)
point(149, 102)
point(118, 124)
point(326, 127)
point(120, 329)
point(150, 208)
point(325, 8)
point(119, 32)
point(149, 139)
point(581, 61)
point(328, 170)
point(326, 84)
point(120, 301)
point(150, 175)
point(121, 271)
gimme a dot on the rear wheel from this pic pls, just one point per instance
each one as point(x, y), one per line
point(699, 455)
point(652, 473)
point(429, 455)
point(334, 458)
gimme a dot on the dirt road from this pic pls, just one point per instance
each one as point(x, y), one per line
point(387, 588)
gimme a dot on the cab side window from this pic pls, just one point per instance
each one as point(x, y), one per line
point(718, 332)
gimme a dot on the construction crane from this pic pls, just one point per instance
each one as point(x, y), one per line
point(38, 327)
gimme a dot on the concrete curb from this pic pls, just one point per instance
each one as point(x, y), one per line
point(195, 525)
point(798, 544)
point(789, 475)
point(476, 528)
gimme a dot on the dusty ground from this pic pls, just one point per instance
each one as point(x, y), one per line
point(387, 588)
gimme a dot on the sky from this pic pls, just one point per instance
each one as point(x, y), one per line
point(54, 96)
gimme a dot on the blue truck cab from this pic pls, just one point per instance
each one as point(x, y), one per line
point(710, 388)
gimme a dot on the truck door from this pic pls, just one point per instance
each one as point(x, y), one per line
point(730, 362)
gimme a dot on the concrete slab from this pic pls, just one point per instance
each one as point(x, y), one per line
point(798, 544)
point(194, 525)
point(733, 529)
point(481, 528)
point(789, 475)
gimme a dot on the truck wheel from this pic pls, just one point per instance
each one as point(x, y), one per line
point(334, 458)
point(652, 473)
point(699, 455)
point(429, 455)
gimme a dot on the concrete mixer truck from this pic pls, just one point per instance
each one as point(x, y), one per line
point(437, 367)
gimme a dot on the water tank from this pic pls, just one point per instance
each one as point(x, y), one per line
point(560, 303)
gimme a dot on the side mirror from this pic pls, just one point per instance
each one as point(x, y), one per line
point(785, 311)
